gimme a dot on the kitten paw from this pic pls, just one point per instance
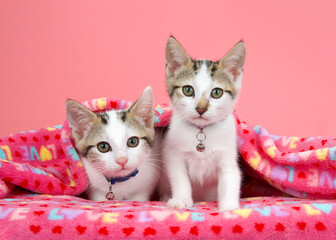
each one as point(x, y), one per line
point(227, 207)
point(179, 203)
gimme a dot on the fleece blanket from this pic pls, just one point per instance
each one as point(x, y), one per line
point(45, 161)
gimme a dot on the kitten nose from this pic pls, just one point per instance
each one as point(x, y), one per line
point(122, 161)
point(201, 111)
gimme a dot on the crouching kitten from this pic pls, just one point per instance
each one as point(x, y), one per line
point(117, 149)
point(199, 151)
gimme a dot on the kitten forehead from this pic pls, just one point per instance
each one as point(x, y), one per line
point(115, 127)
point(137, 124)
point(200, 71)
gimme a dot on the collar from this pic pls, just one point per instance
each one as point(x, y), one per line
point(122, 179)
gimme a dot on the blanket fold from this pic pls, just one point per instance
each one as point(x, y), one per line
point(45, 160)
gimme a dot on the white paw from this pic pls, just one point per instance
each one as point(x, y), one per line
point(228, 206)
point(179, 203)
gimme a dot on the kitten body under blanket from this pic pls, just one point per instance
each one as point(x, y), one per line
point(199, 150)
point(117, 148)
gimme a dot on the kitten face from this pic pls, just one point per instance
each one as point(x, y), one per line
point(203, 92)
point(115, 142)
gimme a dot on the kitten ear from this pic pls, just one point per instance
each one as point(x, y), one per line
point(176, 56)
point(143, 107)
point(79, 117)
point(234, 60)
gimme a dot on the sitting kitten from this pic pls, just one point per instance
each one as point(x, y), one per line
point(114, 144)
point(200, 152)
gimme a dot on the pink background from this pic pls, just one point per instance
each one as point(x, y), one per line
point(54, 50)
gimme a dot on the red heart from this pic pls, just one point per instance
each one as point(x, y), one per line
point(237, 229)
point(296, 208)
point(238, 121)
point(24, 183)
point(44, 205)
point(57, 136)
point(35, 229)
point(113, 104)
point(194, 230)
point(301, 175)
point(130, 216)
point(279, 227)
point(75, 175)
point(81, 229)
point(174, 229)
point(324, 142)
point(11, 140)
point(46, 137)
point(8, 179)
point(216, 229)
point(57, 229)
point(245, 131)
point(252, 141)
point(24, 139)
point(57, 165)
point(303, 139)
point(320, 226)
point(311, 148)
point(103, 231)
point(301, 225)
point(62, 186)
point(259, 226)
point(35, 139)
point(17, 154)
point(214, 214)
point(244, 155)
point(128, 231)
point(149, 231)
point(50, 186)
point(38, 213)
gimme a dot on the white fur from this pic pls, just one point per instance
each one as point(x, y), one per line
point(137, 188)
point(116, 133)
point(203, 176)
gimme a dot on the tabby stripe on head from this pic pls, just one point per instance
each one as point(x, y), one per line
point(147, 140)
point(231, 94)
point(87, 150)
point(173, 90)
point(104, 117)
point(123, 115)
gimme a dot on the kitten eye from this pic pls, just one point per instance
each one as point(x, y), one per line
point(103, 147)
point(188, 91)
point(217, 93)
point(133, 142)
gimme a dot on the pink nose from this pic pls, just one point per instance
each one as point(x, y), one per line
point(122, 161)
point(201, 111)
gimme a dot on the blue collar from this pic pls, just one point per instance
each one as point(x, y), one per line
point(122, 179)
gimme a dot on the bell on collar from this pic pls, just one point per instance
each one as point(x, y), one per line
point(200, 147)
point(110, 195)
point(200, 137)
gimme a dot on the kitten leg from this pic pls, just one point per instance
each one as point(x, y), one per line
point(229, 182)
point(140, 196)
point(179, 181)
point(96, 195)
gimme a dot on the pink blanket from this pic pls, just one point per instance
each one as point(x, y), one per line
point(45, 161)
